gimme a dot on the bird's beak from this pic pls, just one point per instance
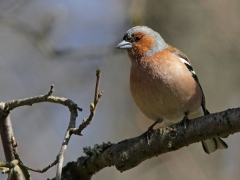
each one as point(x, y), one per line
point(124, 45)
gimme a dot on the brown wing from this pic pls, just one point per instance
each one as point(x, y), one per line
point(178, 53)
point(190, 68)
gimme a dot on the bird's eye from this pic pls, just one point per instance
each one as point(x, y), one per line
point(137, 38)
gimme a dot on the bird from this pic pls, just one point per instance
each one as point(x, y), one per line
point(163, 83)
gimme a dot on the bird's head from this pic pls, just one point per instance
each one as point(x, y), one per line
point(142, 41)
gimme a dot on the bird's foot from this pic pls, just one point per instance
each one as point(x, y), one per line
point(150, 130)
point(185, 121)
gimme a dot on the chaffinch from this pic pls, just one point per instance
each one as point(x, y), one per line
point(162, 81)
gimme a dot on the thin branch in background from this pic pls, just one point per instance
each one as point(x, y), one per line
point(71, 126)
point(8, 142)
point(73, 108)
point(42, 98)
point(24, 170)
point(44, 169)
point(13, 170)
point(93, 107)
point(48, 97)
point(11, 147)
point(6, 132)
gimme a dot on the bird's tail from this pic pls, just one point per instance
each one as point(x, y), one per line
point(211, 145)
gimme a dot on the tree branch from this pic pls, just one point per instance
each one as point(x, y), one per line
point(42, 98)
point(71, 128)
point(131, 152)
point(8, 142)
point(10, 145)
point(93, 107)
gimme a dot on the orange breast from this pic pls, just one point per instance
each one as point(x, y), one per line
point(162, 87)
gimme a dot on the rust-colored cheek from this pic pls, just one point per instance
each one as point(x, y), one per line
point(144, 45)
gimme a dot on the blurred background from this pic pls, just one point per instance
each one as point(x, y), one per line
point(63, 42)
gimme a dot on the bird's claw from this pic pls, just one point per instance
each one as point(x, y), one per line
point(185, 121)
point(150, 130)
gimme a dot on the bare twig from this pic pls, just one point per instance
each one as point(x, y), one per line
point(8, 106)
point(8, 142)
point(51, 90)
point(42, 98)
point(93, 106)
point(6, 135)
point(96, 98)
point(24, 170)
point(39, 170)
point(48, 97)
point(4, 170)
point(13, 170)
point(8, 164)
point(72, 129)
point(61, 154)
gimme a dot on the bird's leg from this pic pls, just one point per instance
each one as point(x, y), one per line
point(154, 124)
point(150, 129)
point(185, 120)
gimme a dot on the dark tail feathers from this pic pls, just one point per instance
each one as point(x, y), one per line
point(211, 145)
